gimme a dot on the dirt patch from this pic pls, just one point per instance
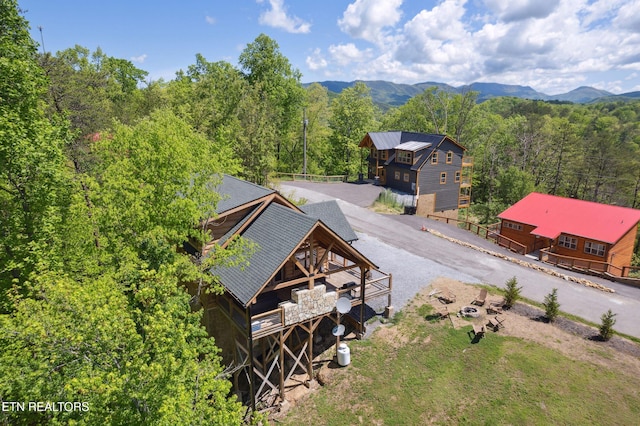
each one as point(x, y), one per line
point(574, 340)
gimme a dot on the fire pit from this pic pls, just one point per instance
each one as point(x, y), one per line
point(469, 311)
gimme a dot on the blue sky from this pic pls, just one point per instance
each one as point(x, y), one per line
point(553, 46)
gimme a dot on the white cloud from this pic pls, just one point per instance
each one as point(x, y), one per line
point(628, 17)
point(553, 46)
point(277, 17)
point(316, 61)
point(139, 59)
point(210, 20)
point(518, 10)
point(367, 19)
point(345, 54)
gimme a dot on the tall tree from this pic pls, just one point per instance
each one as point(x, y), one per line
point(32, 173)
point(352, 116)
point(269, 71)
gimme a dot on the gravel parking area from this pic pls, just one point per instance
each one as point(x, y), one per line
point(410, 273)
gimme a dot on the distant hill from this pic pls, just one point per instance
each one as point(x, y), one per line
point(388, 94)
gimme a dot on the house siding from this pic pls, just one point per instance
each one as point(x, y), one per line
point(621, 253)
point(522, 236)
point(400, 184)
point(429, 179)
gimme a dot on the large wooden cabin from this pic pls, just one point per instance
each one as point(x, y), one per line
point(574, 233)
point(431, 167)
point(268, 317)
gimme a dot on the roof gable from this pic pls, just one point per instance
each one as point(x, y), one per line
point(235, 192)
point(276, 233)
point(330, 214)
point(553, 215)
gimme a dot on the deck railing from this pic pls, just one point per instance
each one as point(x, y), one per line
point(488, 233)
point(584, 265)
point(379, 284)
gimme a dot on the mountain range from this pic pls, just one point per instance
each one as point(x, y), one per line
point(388, 94)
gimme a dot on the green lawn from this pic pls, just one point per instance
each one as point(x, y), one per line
point(423, 372)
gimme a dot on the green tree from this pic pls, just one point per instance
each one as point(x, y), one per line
point(278, 84)
point(32, 173)
point(352, 116)
point(512, 292)
point(317, 115)
point(551, 305)
point(606, 326)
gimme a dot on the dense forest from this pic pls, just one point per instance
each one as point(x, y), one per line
point(103, 173)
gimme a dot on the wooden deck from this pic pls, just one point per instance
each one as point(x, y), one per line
point(344, 282)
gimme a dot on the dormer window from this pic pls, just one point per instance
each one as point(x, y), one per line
point(405, 157)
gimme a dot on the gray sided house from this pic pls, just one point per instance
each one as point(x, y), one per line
point(431, 167)
point(279, 303)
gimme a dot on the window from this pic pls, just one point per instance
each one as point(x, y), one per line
point(457, 177)
point(406, 177)
point(511, 225)
point(396, 175)
point(384, 155)
point(449, 157)
point(568, 242)
point(374, 153)
point(594, 248)
point(434, 158)
point(405, 157)
point(443, 177)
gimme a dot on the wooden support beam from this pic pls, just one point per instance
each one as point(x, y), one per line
point(323, 258)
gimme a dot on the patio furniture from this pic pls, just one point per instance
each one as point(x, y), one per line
point(496, 323)
point(442, 312)
point(446, 296)
point(495, 307)
point(478, 331)
point(481, 298)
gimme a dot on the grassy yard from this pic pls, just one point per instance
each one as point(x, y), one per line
point(420, 371)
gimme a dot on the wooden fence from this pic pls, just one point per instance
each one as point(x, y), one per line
point(488, 233)
point(311, 178)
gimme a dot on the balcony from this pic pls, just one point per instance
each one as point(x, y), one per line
point(269, 311)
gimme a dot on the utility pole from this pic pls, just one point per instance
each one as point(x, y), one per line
point(305, 122)
point(42, 38)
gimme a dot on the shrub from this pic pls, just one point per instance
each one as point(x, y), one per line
point(551, 305)
point(606, 327)
point(512, 292)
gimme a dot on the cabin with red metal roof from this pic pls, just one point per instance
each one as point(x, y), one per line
point(574, 233)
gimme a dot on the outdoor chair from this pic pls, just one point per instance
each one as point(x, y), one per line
point(496, 323)
point(446, 296)
point(443, 313)
point(481, 298)
point(478, 331)
point(495, 307)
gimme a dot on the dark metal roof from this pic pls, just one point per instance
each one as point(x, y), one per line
point(385, 140)
point(236, 192)
point(276, 233)
point(389, 140)
point(330, 214)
